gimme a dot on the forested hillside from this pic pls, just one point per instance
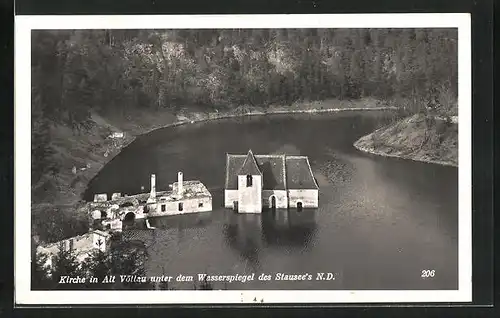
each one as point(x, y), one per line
point(87, 82)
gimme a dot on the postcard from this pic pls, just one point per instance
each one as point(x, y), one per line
point(243, 159)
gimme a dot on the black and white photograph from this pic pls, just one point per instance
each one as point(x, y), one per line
point(243, 159)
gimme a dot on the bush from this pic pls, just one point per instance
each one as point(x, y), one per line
point(53, 224)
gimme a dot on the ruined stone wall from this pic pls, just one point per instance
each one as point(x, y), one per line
point(137, 210)
point(281, 198)
point(250, 198)
point(113, 225)
point(309, 198)
point(133, 200)
point(194, 205)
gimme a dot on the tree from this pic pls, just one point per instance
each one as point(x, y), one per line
point(41, 149)
point(98, 266)
point(65, 263)
point(116, 71)
point(128, 258)
point(40, 272)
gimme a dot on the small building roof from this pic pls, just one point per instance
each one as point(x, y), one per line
point(82, 244)
point(101, 233)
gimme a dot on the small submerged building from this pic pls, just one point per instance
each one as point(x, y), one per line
point(271, 181)
point(82, 246)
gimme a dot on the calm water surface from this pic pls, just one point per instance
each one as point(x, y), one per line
point(381, 221)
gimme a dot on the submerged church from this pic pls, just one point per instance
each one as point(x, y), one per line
point(271, 181)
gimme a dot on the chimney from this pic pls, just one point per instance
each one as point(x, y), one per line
point(180, 188)
point(152, 195)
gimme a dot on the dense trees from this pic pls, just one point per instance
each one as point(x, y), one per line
point(112, 70)
point(46, 276)
point(40, 272)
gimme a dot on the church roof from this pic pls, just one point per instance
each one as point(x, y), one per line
point(279, 172)
point(233, 165)
point(273, 171)
point(299, 174)
point(249, 166)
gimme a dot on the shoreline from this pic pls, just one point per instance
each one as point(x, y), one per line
point(400, 140)
point(215, 116)
point(404, 157)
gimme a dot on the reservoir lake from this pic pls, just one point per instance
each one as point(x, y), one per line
point(381, 221)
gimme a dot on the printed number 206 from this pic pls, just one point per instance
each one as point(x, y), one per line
point(428, 273)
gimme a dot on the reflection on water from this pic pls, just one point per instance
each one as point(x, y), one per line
point(289, 228)
point(247, 234)
point(243, 234)
point(181, 222)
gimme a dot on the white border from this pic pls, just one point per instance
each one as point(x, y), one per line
point(22, 256)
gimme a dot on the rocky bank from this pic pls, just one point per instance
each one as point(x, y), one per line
point(419, 137)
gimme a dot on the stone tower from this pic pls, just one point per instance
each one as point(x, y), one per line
point(152, 193)
point(250, 186)
point(180, 186)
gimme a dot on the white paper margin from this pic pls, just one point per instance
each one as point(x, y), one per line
point(22, 152)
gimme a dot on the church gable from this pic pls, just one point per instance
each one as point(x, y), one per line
point(250, 166)
point(271, 167)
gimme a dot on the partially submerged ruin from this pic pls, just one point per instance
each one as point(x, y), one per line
point(183, 197)
point(107, 216)
point(270, 181)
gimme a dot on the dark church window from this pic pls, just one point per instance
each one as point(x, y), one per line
point(163, 208)
point(249, 180)
point(200, 205)
point(181, 206)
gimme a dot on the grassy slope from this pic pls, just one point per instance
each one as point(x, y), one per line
point(56, 198)
point(418, 137)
